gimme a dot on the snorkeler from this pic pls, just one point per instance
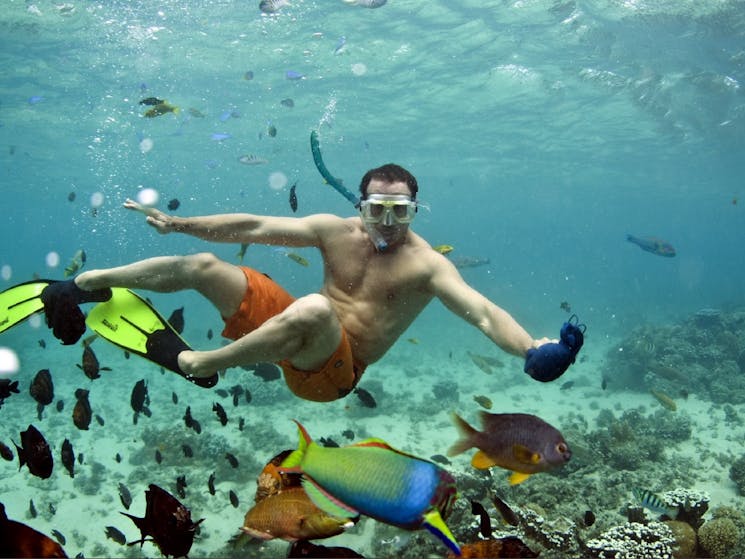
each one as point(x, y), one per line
point(323, 341)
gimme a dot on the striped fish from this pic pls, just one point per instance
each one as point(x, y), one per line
point(372, 478)
point(652, 502)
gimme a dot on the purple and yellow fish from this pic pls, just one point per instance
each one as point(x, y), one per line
point(520, 442)
point(653, 245)
point(372, 478)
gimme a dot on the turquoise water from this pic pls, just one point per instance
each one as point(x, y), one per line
point(541, 134)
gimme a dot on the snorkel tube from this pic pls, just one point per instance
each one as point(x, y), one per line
point(336, 184)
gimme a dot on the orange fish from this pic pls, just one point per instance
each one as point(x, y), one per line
point(20, 540)
point(510, 546)
point(291, 516)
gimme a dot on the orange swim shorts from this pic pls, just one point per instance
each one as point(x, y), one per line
point(265, 298)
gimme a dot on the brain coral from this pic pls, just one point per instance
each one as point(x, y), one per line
point(718, 536)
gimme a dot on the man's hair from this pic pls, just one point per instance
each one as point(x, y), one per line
point(390, 172)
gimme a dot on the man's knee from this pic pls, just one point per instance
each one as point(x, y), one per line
point(201, 263)
point(311, 313)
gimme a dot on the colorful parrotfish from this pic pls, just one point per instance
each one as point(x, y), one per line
point(372, 478)
point(653, 245)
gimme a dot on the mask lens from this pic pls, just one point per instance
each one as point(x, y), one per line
point(387, 211)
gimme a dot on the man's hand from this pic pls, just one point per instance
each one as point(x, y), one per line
point(160, 221)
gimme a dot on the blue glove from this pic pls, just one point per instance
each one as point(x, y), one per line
point(549, 361)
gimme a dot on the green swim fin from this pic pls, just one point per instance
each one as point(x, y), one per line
point(19, 302)
point(130, 322)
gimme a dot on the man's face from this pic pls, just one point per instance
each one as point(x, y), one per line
point(389, 209)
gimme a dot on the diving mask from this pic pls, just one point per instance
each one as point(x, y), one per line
point(388, 209)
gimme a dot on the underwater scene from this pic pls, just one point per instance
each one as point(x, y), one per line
point(580, 163)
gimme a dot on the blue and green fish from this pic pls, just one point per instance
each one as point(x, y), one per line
point(372, 478)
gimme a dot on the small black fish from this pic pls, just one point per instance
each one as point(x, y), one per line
point(126, 354)
point(68, 457)
point(221, 392)
point(82, 414)
point(507, 514)
point(328, 442)
point(42, 390)
point(140, 400)
point(365, 397)
point(116, 535)
point(6, 452)
point(236, 390)
point(265, 371)
point(604, 383)
point(152, 101)
point(348, 433)
point(181, 486)
point(174, 397)
point(190, 422)
point(35, 453)
point(177, 320)
point(118, 458)
point(60, 406)
point(211, 484)
point(567, 385)
point(125, 496)
point(99, 420)
point(484, 520)
point(42, 344)
point(247, 393)
point(271, 131)
point(173, 204)
point(293, 198)
point(241, 423)
point(158, 456)
point(91, 366)
point(52, 509)
point(232, 459)
point(305, 548)
point(221, 415)
point(440, 459)
point(589, 518)
point(233, 499)
point(188, 452)
point(71, 196)
point(80, 458)
point(289, 103)
point(209, 334)
point(167, 522)
point(32, 509)
point(59, 537)
point(6, 388)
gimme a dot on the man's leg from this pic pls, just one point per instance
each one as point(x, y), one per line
point(306, 333)
point(221, 283)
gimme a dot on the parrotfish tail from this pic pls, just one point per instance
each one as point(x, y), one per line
point(296, 456)
point(436, 525)
point(467, 435)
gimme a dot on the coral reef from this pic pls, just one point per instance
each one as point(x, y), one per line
point(707, 357)
point(633, 541)
point(692, 505)
point(718, 537)
point(737, 474)
point(685, 539)
point(634, 440)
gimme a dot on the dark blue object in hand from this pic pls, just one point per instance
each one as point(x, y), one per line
point(549, 361)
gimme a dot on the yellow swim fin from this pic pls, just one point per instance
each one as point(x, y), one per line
point(19, 302)
point(130, 322)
